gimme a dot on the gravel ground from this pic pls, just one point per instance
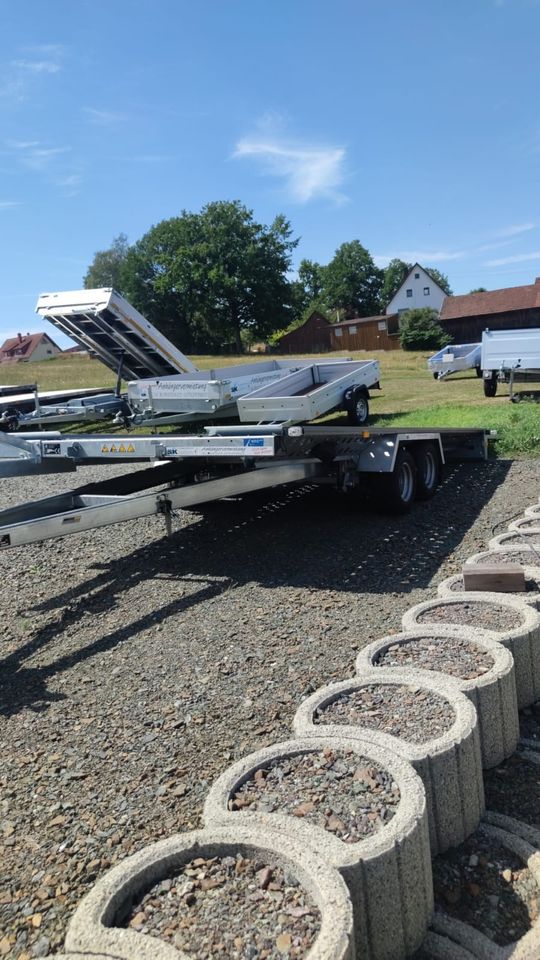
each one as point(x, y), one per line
point(513, 788)
point(134, 669)
point(412, 713)
point(485, 884)
point(490, 616)
point(452, 655)
point(350, 796)
point(230, 907)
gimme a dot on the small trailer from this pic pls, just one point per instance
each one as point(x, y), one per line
point(398, 465)
point(510, 356)
point(454, 359)
point(308, 393)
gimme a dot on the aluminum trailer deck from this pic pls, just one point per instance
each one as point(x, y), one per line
point(222, 462)
point(510, 356)
point(454, 359)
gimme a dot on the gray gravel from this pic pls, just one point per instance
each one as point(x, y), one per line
point(413, 713)
point(134, 670)
point(230, 907)
point(490, 616)
point(350, 796)
point(452, 655)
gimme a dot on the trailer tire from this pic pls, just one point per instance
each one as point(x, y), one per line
point(435, 376)
point(490, 386)
point(358, 411)
point(396, 491)
point(428, 471)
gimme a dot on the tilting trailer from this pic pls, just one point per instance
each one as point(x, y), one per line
point(510, 356)
point(399, 465)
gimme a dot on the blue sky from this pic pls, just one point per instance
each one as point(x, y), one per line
point(412, 127)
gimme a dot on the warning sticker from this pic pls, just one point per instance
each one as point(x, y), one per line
point(131, 448)
point(104, 449)
point(113, 448)
point(121, 448)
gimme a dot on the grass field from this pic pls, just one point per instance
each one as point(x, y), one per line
point(409, 396)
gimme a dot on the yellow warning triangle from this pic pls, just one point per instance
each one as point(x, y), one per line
point(131, 448)
point(104, 449)
point(121, 448)
point(113, 449)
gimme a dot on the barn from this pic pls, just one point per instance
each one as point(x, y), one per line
point(366, 333)
point(312, 337)
point(466, 317)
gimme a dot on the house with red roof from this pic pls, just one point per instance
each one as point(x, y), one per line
point(466, 317)
point(29, 347)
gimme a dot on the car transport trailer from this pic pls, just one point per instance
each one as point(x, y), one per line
point(399, 464)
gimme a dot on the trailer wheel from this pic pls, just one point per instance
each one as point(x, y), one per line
point(435, 376)
point(358, 413)
point(428, 466)
point(490, 386)
point(396, 491)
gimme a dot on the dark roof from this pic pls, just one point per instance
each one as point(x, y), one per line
point(26, 345)
point(358, 320)
point(493, 301)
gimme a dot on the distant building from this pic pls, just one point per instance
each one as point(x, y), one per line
point(466, 317)
point(28, 348)
point(76, 352)
point(312, 337)
point(366, 333)
point(419, 289)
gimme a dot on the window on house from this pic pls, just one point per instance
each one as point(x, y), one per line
point(381, 325)
point(49, 351)
point(352, 329)
point(409, 292)
point(417, 276)
point(426, 291)
point(338, 332)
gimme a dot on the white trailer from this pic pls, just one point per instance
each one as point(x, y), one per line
point(510, 356)
point(454, 359)
point(398, 465)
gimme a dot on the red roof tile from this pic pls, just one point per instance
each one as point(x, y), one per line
point(494, 301)
point(24, 346)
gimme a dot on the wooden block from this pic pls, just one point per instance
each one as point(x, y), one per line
point(506, 578)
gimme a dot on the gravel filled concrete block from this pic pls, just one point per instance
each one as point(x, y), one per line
point(453, 587)
point(449, 763)
point(468, 937)
point(110, 901)
point(523, 639)
point(492, 691)
point(528, 525)
point(387, 872)
point(522, 538)
point(533, 511)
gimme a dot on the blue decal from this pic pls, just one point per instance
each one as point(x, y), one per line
point(254, 441)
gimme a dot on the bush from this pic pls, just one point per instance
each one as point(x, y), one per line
point(420, 330)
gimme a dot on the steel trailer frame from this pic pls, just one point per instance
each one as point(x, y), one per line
point(222, 462)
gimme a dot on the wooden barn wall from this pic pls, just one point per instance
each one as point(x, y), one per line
point(470, 329)
point(367, 337)
point(313, 337)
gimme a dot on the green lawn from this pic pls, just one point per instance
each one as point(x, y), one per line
point(409, 396)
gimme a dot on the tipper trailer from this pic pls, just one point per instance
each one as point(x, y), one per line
point(399, 465)
point(510, 356)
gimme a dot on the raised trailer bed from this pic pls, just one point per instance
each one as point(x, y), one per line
point(313, 391)
point(454, 359)
point(510, 356)
point(398, 466)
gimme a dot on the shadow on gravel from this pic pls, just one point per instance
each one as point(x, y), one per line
point(307, 537)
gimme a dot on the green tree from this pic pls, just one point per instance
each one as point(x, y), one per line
point(394, 275)
point(419, 329)
point(479, 290)
point(206, 278)
point(106, 269)
point(441, 279)
point(352, 282)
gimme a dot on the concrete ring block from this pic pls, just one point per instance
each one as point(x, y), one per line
point(482, 948)
point(506, 554)
point(450, 765)
point(436, 947)
point(388, 873)
point(527, 525)
point(517, 538)
point(453, 587)
point(523, 641)
point(493, 693)
point(92, 926)
point(533, 511)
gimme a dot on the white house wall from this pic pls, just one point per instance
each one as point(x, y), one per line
point(417, 282)
point(44, 351)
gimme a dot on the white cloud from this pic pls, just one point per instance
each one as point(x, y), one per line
point(37, 66)
point(8, 204)
point(104, 118)
point(39, 157)
point(517, 258)
point(515, 229)
point(70, 184)
point(308, 171)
